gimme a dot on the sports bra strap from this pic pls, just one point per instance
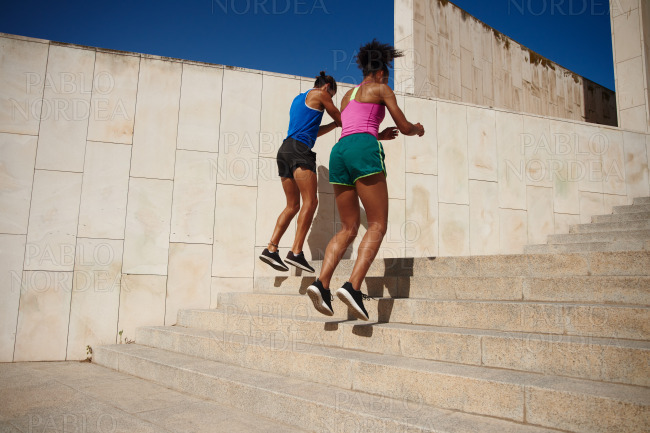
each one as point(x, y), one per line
point(354, 93)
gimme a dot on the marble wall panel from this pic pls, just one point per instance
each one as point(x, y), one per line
point(112, 105)
point(512, 167)
point(234, 252)
point(513, 230)
point(200, 108)
point(636, 165)
point(146, 238)
point(156, 119)
point(453, 177)
point(53, 218)
point(12, 254)
point(241, 104)
point(421, 231)
point(591, 203)
point(484, 217)
point(17, 156)
point(481, 144)
point(189, 280)
point(66, 109)
point(95, 295)
point(104, 192)
point(195, 184)
point(422, 152)
point(564, 168)
point(43, 316)
point(454, 229)
point(23, 78)
point(142, 303)
point(540, 214)
point(277, 95)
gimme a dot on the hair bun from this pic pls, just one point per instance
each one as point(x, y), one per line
point(322, 74)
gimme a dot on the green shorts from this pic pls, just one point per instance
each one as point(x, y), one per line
point(356, 156)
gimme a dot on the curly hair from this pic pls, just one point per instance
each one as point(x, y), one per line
point(375, 56)
point(323, 79)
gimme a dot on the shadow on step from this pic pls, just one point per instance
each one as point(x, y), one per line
point(361, 330)
point(402, 270)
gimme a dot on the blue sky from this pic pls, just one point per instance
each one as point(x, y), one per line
point(301, 37)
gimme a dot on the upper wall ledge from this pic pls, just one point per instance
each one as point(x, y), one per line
point(276, 74)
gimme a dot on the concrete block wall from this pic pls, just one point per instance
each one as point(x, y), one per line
point(453, 56)
point(134, 186)
point(631, 42)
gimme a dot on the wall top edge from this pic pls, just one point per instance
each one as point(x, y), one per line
point(24, 38)
point(154, 57)
point(294, 77)
point(521, 113)
point(534, 58)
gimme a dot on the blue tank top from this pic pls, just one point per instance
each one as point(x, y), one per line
point(304, 121)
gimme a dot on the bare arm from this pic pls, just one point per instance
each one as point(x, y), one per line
point(404, 126)
point(324, 129)
point(331, 109)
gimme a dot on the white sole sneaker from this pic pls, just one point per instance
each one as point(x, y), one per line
point(317, 300)
point(298, 265)
point(347, 299)
point(273, 263)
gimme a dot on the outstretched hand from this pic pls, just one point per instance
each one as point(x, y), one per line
point(389, 133)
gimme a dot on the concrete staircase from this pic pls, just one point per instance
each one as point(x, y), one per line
point(626, 229)
point(519, 343)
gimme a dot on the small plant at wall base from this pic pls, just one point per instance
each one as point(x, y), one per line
point(89, 352)
point(126, 339)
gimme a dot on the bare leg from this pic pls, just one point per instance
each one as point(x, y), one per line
point(373, 193)
point(293, 206)
point(347, 203)
point(306, 181)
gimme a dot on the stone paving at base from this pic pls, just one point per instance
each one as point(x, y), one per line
point(80, 397)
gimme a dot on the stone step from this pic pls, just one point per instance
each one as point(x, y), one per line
point(629, 290)
point(469, 389)
point(589, 247)
point(610, 227)
point(621, 361)
point(520, 265)
point(592, 320)
point(312, 406)
point(641, 200)
point(614, 236)
point(621, 217)
point(632, 208)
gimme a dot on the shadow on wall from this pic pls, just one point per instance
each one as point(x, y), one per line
point(326, 223)
point(600, 104)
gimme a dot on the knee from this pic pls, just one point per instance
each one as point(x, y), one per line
point(311, 205)
point(379, 228)
point(292, 209)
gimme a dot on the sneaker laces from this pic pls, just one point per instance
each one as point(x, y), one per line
point(366, 297)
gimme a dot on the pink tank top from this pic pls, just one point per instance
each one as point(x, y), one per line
point(361, 117)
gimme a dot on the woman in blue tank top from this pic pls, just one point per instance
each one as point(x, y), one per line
point(297, 169)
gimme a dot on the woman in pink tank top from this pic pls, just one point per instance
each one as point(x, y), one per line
point(357, 171)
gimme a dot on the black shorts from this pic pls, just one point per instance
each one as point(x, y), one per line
point(293, 154)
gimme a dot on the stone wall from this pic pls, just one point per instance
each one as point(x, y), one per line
point(631, 41)
point(135, 185)
point(453, 56)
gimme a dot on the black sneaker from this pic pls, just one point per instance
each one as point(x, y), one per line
point(298, 260)
point(354, 300)
point(273, 259)
point(321, 298)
